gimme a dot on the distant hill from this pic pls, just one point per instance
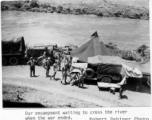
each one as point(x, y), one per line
point(134, 9)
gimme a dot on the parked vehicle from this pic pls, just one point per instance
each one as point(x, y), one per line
point(107, 73)
point(13, 51)
point(37, 51)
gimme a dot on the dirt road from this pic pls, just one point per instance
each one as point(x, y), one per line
point(18, 86)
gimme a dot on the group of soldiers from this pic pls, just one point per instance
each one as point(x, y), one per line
point(55, 60)
point(75, 79)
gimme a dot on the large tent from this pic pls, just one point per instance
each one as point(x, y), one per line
point(91, 48)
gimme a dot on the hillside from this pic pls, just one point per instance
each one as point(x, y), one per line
point(134, 9)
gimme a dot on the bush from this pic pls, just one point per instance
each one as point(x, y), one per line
point(129, 55)
point(18, 4)
point(34, 3)
point(26, 6)
point(26, 1)
point(142, 50)
point(35, 9)
point(59, 9)
point(45, 5)
point(4, 7)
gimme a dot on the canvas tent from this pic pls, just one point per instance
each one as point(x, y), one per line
point(130, 68)
point(91, 48)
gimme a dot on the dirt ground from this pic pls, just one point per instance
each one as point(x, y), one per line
point(21, 90)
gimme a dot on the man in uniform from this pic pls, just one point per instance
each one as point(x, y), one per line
point(55, 68)
point(47, 65)
point(122, 85)
point(65, 73)
point(32, 63)
point(82, 77)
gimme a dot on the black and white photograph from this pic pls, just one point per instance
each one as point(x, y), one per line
point(75, 53)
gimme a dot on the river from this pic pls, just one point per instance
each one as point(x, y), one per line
point(47, 28)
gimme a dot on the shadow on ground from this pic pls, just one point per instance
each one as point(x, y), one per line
point(138, 85)
point(90, 82)
point(9, 104)
point(133, 84)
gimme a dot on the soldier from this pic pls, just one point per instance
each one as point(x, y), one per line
point(43, 56)
point(64, 74)
point(57, 61)
point(82, 77)
point(47, 64)
point(55, 68)
point(67, 65)
point(60, 59)
point(75, 79)
point(122, 85)
point(32, 63)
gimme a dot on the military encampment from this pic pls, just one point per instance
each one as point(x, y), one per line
point(87, 66)
point(91, 59)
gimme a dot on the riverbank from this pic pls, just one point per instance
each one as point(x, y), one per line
point(134, 9)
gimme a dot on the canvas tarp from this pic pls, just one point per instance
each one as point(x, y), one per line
point(145, 68)
point(112, 60)
point(80, 65)
point(13, 46)
point(131, 72)
point(129, 68)
point(91, 48)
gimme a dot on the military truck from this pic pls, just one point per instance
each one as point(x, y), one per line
point(13, 51)
point(37, 52)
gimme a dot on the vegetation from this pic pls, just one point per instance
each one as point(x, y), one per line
point(142, 54)
point(101, 8)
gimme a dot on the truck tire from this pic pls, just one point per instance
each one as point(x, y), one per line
point(13, 61)
point(106, 79)
point(89, 72)
point(4, 61)
point(40, 61)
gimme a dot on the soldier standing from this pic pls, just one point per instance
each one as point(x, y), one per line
point(122, 85)
point(32, 63)
point(47, 64)
point(64, 74)
point(60, 59)
point(55, 68)
point(81, 78)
